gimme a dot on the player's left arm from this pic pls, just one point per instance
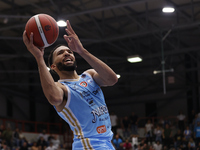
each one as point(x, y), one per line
point(101, 72)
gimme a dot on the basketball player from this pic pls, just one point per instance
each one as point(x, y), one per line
point(78, 99)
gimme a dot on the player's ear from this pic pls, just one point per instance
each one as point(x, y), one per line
point(53, 67)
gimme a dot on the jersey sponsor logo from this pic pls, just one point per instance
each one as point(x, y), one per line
point(98, 112)
point(89, 81)
point(95, 92)
point(104, 119)
point(83, 83)
point(101, 129)
point(86, 95)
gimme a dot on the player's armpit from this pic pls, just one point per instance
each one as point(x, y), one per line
point(56, 99)
point(60, 107)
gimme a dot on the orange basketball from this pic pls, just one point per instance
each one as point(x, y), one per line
point(45, 30)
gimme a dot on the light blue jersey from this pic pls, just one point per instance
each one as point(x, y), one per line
point(87, 114)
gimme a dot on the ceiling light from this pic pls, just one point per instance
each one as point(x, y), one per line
point(161, 71)
point(134, 58)
point(48, 69)
point(168, 10)
point(61, 23)
point(118, 76)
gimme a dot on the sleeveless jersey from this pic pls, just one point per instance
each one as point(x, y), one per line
point(86, 111)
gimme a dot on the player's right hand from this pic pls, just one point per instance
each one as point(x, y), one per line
point(35, 51)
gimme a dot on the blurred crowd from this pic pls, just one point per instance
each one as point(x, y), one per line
point(178, 133)
point(130, 133)
point(15, 140)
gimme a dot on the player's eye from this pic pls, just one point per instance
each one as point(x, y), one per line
point(60, 52)
point(70, 52)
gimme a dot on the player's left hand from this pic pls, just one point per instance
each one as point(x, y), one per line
point(72, 39)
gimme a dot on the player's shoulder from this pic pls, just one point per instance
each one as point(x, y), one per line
point(60, 85)
point(90, 72)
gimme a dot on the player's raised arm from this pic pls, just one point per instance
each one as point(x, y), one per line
point(52, 90)
point(102, 73)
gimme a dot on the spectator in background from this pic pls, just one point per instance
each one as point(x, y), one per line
point(55, 141)
point(41, 143)
point(50, 137)
point(4, 146)
point(8, 136)
point(181, 121)
point(187, 133)
point(135, 141)
point(44, 135)
point(178, 139)
point(117, 142)
point(2, 128)
point(21, 135)
point(126, 127)
point(1, 140)
point(51, 147)
point(149, 131)
point(161, 122)
point(196, 120)
point(134, 123)
point(16, 137)
point(184, 144)
point(167, 135)
point(191, 144)
point(145, 146)
point(22, 141)
point(63, 146)
point(198, 146)
point(197, 133)
point(114, 120)
point(24, 146)
point(151, 147)
point(142, 142)
point(127, 145)
point(158, 133)
point(34, 146)
point(198, 114)
point(191, 119)
point(157, 145)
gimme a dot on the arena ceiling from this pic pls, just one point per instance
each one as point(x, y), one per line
point(112, 30)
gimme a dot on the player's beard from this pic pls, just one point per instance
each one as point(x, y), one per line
point(63, 67)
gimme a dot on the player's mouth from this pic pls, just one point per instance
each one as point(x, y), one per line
point(68, 60)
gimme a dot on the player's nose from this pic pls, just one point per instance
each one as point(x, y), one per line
point(66, 53)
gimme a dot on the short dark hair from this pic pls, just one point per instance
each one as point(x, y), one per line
point(50, 58)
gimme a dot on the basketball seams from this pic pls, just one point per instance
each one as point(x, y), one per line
point(44, 28)
point(31, 27)
point(40, 29)
point(52, 28)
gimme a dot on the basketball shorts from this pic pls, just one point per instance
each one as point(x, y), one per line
point(92, 144)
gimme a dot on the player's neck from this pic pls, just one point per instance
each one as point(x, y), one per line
point(68, 75)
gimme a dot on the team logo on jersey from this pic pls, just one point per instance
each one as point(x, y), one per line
point(101, 129)
point(83, 83)
point(98, 112)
